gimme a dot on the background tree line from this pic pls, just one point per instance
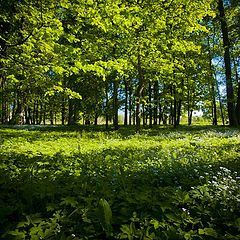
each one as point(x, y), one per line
point(68, 60)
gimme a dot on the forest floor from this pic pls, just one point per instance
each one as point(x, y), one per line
point(89, 183)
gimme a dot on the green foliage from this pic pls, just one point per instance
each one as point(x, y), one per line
point(159, 184)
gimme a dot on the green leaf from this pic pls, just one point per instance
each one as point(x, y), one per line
point(208, 231)
point(105, 215)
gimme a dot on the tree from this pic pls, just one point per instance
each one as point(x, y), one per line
point(227, 61)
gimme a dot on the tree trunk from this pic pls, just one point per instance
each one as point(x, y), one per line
point(140, 89)
point(44, 114)
point(70, 112)
point(63, 111)
point(130, 106)
point(115, 105)
point(237, 110)
point(214, 105)
point(150, 106)
point(212, 83)
point(126, 104)
point(155, 97)
point(190, 111)
point(179, 112)
point(96, 120)
point(227, 61)
point(40, 114)
point(106, 107)
point(4, 102)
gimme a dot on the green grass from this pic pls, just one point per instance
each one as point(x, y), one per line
point(88, 183)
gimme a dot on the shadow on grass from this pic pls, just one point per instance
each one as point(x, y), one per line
point(34, 132)
point(127, 179)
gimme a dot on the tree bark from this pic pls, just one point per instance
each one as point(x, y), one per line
point(150, 106)
point(227, 61)
point(126, 104)
point(140, 89)
point(115, 104)
point(106, 106)
point(237, 110)
point(155, 97)
point(130, 106)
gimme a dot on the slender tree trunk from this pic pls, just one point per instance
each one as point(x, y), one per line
point(70, 112)
point(37, 112)
point(96, 120)
point(130, 106)
point(44, 114)
point(170, 120)
point(126, 104)
point(155, 97)
point(40, 114)
point(17, 114)
point(106, 107)
point(238, 93)
point(33, 114)
point(179, 107)
point(115, 105)
point(63, 111)
point(140, 89)
point(150, 106)
point(29, 113)
point(214, 106)
point(51, 115)
point(144, 115)
point(27, 116)
point(212, 83)
point(3, 100)
point(219, 99)
point(190, 111)
point(227, 61)
point(160, 117)
point(174, 108)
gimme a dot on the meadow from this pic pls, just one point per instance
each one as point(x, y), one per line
point(88, 183)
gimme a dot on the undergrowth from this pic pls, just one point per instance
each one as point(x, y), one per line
point(75, 183)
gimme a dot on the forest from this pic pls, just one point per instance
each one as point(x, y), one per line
point(119, 119)
point(154, 61)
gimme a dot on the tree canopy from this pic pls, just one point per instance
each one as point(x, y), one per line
point(156, 59)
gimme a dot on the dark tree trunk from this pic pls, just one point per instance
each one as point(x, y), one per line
point(40, 114)
point(37, 112)
point(150, 106)
point(70, 112)
point(212, 83)
point(130, 106)
point(4, 101)
point(33, 115)
point(27, 117)
point(17, 113)
point(214, 105)
point(227, 61)
point(179, 112)
point(155, 96)
point(140, 89)
point(170, 120)
point(51, 117)
point(238, 93)
point(190, 111)
point(106, 107)
point(63, 111)
point(44, 114)
point(174, 108)
point(126, 104)
point(115, 105)
point(96, 120)
point(144, 115)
